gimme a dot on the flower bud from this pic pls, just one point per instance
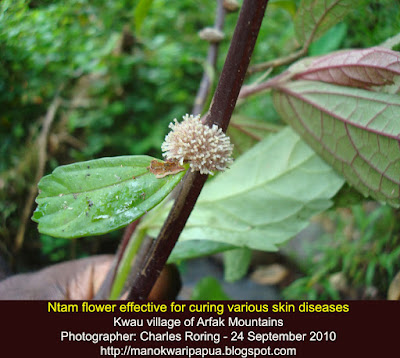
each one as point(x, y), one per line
point(211, 34)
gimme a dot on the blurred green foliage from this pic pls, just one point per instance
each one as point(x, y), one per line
point(358, 259)
point(119, 89)
point(123, 70)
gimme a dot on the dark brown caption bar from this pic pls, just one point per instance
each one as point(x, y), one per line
point(199, 328)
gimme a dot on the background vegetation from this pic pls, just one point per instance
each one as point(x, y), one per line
point(121, 73)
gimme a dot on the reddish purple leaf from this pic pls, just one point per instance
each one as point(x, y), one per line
point(368, 68)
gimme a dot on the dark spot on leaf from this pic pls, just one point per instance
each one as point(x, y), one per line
point(87, 175)
point(75, 195)
point(88, 166)
point(89, 202)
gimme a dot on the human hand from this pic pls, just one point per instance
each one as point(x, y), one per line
point(77, 280)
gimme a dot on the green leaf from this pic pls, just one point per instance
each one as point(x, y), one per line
point(209, 289)
point(236, 264)
point(376, 69)
point(98, 196)
point(370, 273)
point(185, 250)
point(354, 130)
point(267, 196)
point(313, 17)
point(330, 41)
point(347, 196)
point(140, 13)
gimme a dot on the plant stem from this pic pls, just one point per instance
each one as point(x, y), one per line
point(201, 98)
point(222, 106)
point(212, 56)
point(278, 61)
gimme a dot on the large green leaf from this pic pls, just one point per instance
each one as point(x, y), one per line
point(314, 17)
point(98, 196)
point(267, 196)
point(354, 130)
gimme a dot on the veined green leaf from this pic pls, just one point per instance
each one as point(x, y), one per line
point(354, 130)
point(391, 42)
point(374, 68)
point(209, 289)
point(267, 196)
point(314, 17)
point(98, 196)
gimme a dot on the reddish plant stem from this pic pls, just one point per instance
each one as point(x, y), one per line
point(222, 106)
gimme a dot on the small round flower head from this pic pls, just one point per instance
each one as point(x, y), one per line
point(206, 149)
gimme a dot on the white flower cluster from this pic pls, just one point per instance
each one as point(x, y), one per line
point(206, 149)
